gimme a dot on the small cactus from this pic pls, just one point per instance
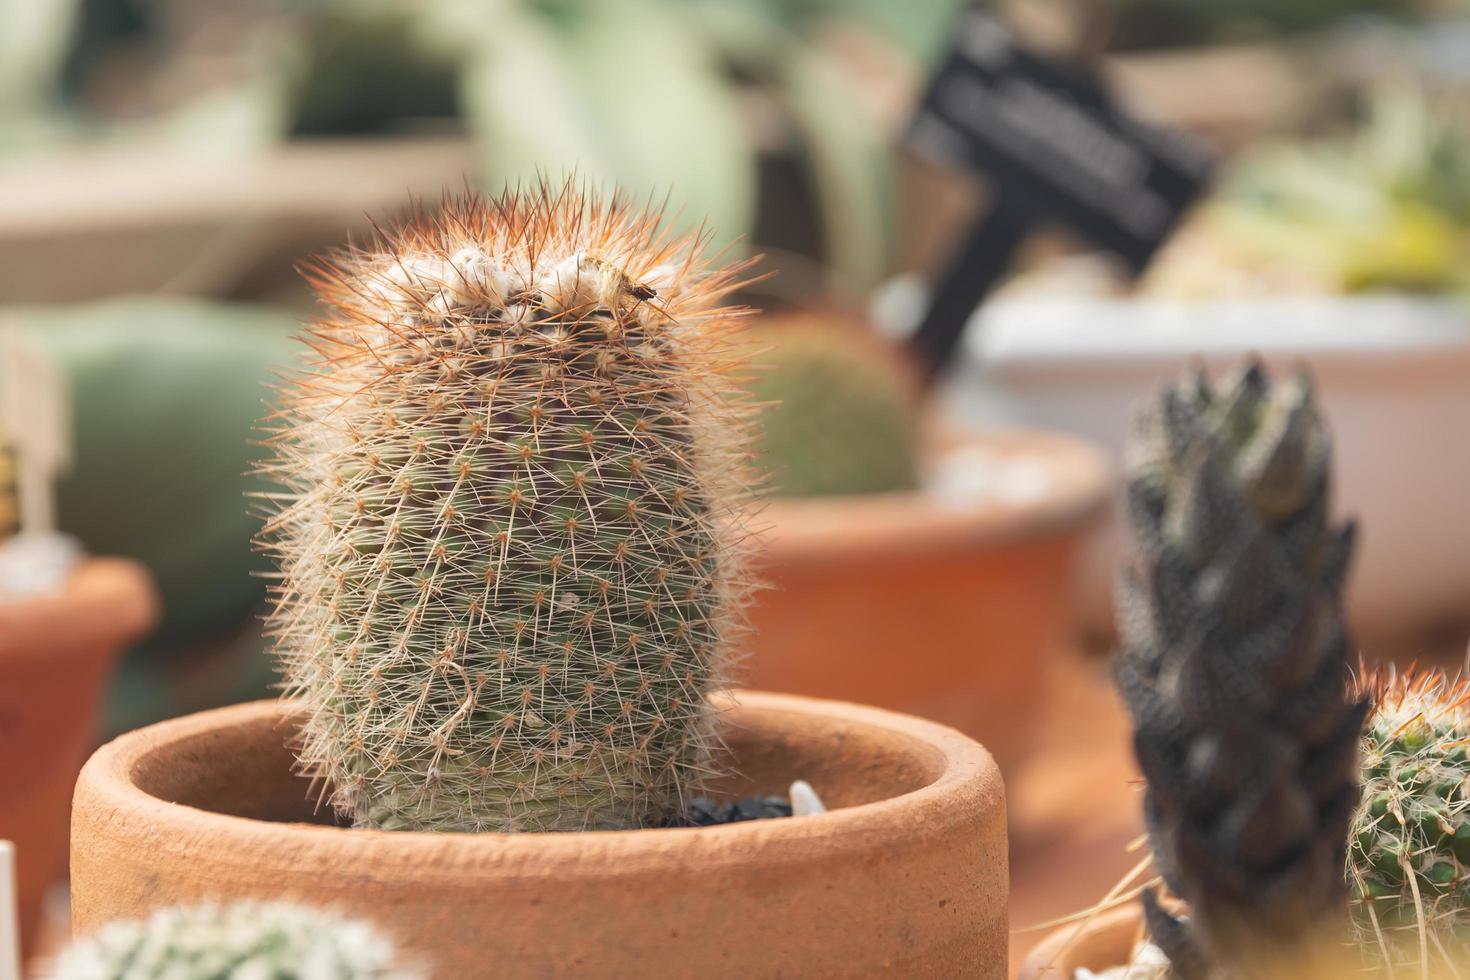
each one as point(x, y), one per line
point(838, 415)
point(511, 538)
point(1409, 864)
point(245, 941)
point(1234, 668)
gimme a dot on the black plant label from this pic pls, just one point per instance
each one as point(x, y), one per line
point(1055, 143)
point(1057, 150)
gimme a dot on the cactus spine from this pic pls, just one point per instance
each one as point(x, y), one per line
point(838, 415)
point(1234, 668)
point(273, 941)
point(1409, 866)
point(511, 538)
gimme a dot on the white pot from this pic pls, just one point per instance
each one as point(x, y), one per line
point(1393, 374)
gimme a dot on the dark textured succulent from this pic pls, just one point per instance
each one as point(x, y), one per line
point(1234, 665)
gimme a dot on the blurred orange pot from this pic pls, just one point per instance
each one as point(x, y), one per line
point(945, 603)
point(906, 875)
point(1103, 942)
point(56, 656)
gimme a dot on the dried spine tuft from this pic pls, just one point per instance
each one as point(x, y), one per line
point(512, 533)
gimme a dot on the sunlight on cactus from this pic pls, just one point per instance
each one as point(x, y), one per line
point(512, 537)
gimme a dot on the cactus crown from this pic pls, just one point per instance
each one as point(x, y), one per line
point(1234, 667)
point(837, 416)
point(511, 538)
point(1409, 867)
point(262, 940)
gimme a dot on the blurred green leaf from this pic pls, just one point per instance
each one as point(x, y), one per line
point(851, 166)
point(34, 36)
point(624, 93)
point(842, 147)
point(919, 29)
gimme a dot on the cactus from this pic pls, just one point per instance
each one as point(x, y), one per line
point(269, 941)
point(511, 541)
point(838, 416)
point(1234, 668)
point(1409, 866)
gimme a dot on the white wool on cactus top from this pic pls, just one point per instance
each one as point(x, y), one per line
point(245, 941)
point(1149, 963)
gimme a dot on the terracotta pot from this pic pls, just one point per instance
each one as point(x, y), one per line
point(907, 876)
point(56, 656)
point(947, 606)
point(1102, 942)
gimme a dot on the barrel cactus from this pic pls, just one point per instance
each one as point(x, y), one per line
point(1409, 866)
point(1234, 668)
point(260, 941)
point(512, 529)
point(839, 415)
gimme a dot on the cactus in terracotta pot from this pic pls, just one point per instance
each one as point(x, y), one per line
point(1234, 666)
point(838, 412)
point(511, 538)
point(1409, 865)
point(247, 939)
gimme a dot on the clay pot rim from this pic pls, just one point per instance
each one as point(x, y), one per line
point(968, 777)
point(106, 603)
point(919, 521)
point(1058, 955)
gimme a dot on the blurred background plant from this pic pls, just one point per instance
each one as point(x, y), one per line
point(167, 162)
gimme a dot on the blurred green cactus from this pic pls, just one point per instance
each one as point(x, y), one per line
point(510, 540)
point(839, 414)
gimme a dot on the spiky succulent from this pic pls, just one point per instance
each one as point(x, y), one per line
point(245, 941)
point(1234, 668)
point(1409, 866)
point(838, 415)
point(511, 540)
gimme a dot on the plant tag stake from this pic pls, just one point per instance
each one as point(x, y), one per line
point(1058, 150)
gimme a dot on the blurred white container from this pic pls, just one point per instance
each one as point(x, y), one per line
point(1392, 372)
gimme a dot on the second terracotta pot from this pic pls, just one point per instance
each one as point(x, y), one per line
point(56, 656)
point(946, 603)
point(906, 876)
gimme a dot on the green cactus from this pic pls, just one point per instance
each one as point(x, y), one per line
point(838, 416)
point(1234, 668)
point(1409, 864)
point(259, 941)
point(511, 540)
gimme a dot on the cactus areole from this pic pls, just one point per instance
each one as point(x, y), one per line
point(511, 534)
